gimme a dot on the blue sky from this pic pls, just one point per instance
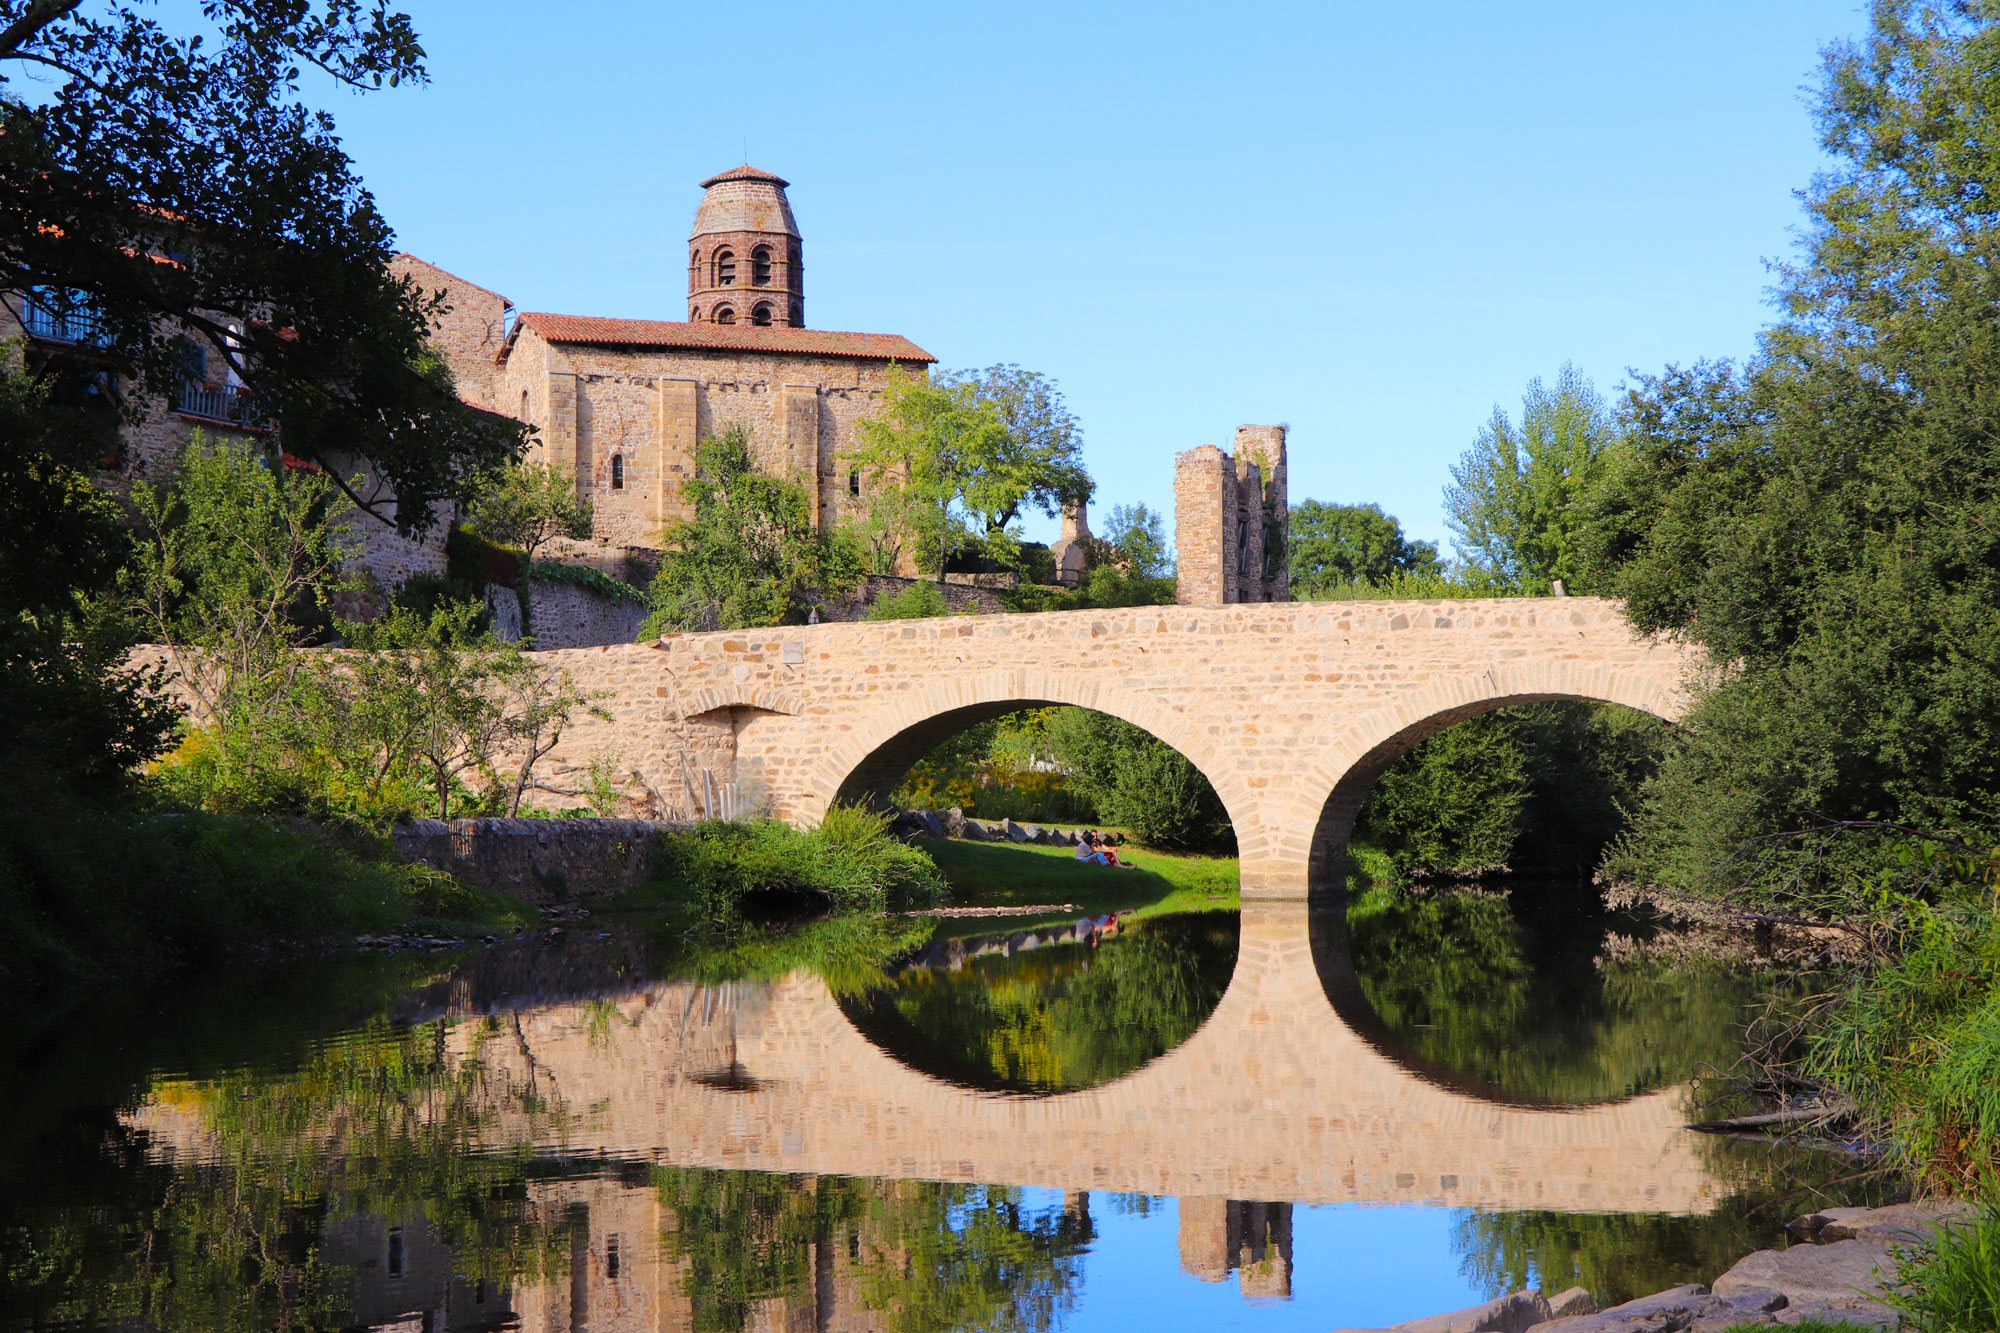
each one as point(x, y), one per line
point(1372, 222)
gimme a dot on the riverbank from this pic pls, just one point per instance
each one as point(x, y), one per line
point(1848, 1269)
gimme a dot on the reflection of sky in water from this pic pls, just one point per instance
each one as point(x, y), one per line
point(1354, 1266)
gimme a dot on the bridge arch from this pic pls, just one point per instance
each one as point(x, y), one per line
point(868, 761)
point(1358, 755)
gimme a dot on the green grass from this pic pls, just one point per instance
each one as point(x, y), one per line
point(988, 874)
point(849, 862)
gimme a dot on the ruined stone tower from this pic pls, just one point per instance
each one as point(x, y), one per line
point(1230, 520)
point(746, 264)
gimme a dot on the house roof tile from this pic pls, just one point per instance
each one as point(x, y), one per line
point(746, 172)
point(592, 329)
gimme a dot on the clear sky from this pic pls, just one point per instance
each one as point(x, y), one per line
point(1373, 222)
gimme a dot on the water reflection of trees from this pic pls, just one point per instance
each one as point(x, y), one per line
point(1523, 998)
point(919, 1255)
point(1059, 1015)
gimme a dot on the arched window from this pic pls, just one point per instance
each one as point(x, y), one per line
point(724, 315)
point(725, 268)
point(695, 314)
point(760, 266)
point(524, 404)
point(617, 472)
point(760, 315)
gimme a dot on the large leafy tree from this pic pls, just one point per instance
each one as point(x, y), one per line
point(172, 183)
point(954, 459)
point(1826, 519)
point(1335, 546)
point(750, 555)
point(1513, 501)
point(1042, 461)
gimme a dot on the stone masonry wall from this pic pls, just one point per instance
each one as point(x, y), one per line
point(564, 615)
point(539, 860)
point(650, 406)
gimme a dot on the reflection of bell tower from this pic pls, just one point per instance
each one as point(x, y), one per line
point(746, 264)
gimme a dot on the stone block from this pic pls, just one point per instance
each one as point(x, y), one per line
point(1846, 1273)
point(954, 823)
point(1663, 1312)
point(1572, 1302)
point(1017, 832)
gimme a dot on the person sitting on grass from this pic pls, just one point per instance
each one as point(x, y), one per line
point(1087, 850)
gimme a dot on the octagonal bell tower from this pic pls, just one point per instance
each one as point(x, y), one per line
point(746, 264)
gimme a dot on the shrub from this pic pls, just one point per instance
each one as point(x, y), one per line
point(919, 601)
point(850, 862)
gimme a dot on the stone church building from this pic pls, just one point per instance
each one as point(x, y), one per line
point(622, 402)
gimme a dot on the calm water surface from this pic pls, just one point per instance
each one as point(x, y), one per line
point(1277, 1120)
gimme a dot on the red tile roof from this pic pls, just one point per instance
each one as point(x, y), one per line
point(722, 337)
point(746, 172)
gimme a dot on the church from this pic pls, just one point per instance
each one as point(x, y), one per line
point(622, 402)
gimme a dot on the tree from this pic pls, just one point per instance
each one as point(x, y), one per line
point(1044, 451)
point(941, 447)
point(174, 186)
point(234, 558)
point(1336, 546)
point(1138, 782)
point(1136, 537)
point(527, 505)
point(1825, 520)
point(1514, 502)
point(78, 717)
point(955, 458)
point(751, 554)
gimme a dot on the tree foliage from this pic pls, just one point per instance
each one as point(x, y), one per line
point(528, 505)
point(1334, 547)
point(1825, 520)
point(952, 460)
point(174, 185)
point(751, 554)
point(1514, 499)
point(1137, 781)
point(1041, 464)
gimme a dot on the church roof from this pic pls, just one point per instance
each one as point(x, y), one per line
point(746, 172)
point(591, 329)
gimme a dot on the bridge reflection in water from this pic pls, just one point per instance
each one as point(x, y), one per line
point(1276, 1099)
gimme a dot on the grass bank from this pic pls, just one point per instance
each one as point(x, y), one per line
point(93, 894)
point(987, 874)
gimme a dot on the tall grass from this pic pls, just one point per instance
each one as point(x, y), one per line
point(1954, 1285)
point(850, 862)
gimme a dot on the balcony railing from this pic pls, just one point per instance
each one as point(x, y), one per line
point(55, 316)
point(229, 403)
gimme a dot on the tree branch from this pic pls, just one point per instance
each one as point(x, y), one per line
point(38, 15)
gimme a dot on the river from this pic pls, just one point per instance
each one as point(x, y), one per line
point(1274, 1119)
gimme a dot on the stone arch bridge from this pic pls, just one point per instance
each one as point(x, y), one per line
point(1291, 710)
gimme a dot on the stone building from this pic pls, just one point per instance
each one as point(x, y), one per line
point(624, 401)
point(59, 340)
point(1230, 520)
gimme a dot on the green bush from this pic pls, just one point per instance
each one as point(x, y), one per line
point(919, 601)
point(850, 863)
point(1136, 781)
point(95, 893)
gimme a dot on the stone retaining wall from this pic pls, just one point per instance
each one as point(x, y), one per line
point(539, 860)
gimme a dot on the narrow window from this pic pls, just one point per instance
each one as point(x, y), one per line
point(760, 315)
point(760, 266)
point(617, 472)
point(725, 268)
point(612, 1257)
point(395, 1251)
point(508, 315)
point(524, 404)
point(854, 483)
point(724, 315)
